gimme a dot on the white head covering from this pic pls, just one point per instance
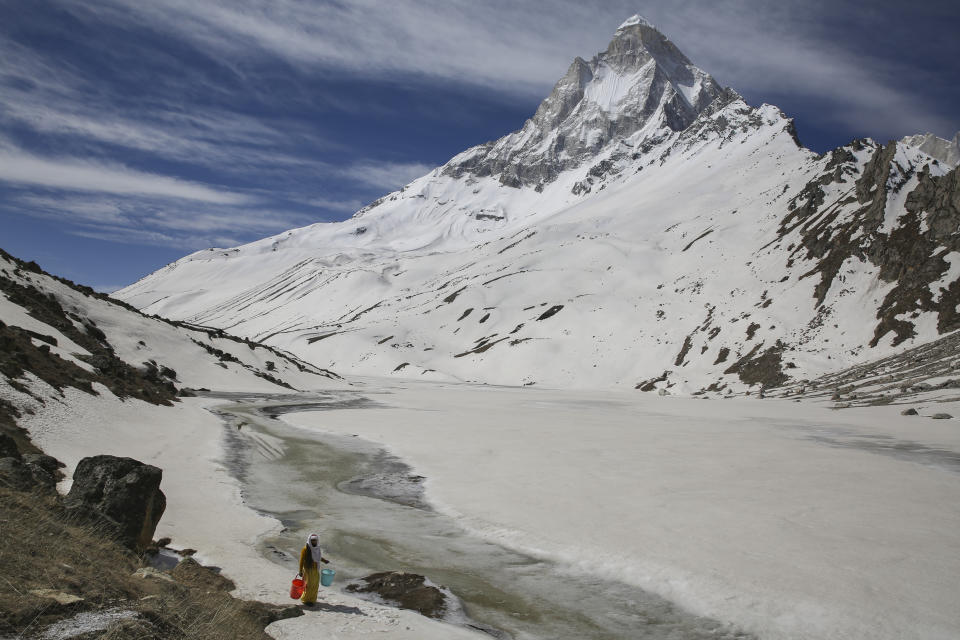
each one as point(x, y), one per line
point(315, 550)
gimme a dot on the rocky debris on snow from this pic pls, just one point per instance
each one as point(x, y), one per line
point(941, 416)
point(125, 491)
point(921, 371)
point(765, 369)
point(406, 590)
point(651, 384)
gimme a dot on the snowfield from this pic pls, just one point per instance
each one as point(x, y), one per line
point(790, 520)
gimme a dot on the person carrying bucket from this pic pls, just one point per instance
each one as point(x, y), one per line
point(310, 558)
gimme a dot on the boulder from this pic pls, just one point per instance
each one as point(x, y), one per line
point(909, 412)
point(124, 490)
point(406, 590)
point(941, 416)
point(16, 475)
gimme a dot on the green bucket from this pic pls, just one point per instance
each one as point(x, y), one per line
point(326, 577)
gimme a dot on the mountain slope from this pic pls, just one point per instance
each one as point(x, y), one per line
point(57, 335)
point(645, 228)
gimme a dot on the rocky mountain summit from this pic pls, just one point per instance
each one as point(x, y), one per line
point(641, 84)
point(646, 228)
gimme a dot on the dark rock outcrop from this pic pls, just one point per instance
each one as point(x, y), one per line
point(8, 448)
point(761, 367)
point(406, 590)
point(16, 475)
point(124, 490)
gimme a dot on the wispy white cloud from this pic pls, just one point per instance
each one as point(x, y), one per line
point(74, 210)
point(757, 47)
point(157, 221)
point(475, 43)
point(384, 175)
point(341, 206)
point(20, 167)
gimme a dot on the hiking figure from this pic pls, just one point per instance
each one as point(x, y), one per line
point(310, 558)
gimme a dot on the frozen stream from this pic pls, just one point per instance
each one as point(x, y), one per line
point(370, 513)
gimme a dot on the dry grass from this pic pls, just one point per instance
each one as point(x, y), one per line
point(42, 548)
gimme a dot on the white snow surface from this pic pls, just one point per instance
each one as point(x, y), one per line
point(672, 246)
point(779, 517)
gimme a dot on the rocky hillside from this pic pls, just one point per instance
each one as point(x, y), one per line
point(82, 565)
point(646, 228)
point(56, 335)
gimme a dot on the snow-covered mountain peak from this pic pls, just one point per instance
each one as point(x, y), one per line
point(636, 20)
point(641, 86)
point(946, 151)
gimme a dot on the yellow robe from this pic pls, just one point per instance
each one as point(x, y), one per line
point(311, 576)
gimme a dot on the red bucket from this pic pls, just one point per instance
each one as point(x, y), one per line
point(296, 587)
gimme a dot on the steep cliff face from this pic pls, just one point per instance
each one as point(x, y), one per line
point(646, 228)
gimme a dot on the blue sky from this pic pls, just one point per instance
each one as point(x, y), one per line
point(133, 132)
